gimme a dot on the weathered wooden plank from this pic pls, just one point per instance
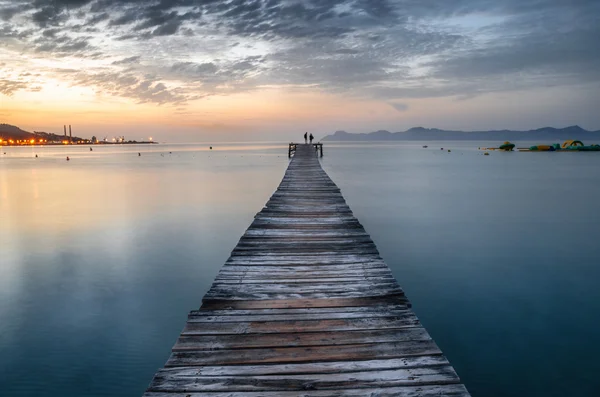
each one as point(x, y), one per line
point(352, 286)
point(309, 281)
point(405, 391)
point(304, 261)
point(221, 304)
point(383, 378)
point(239, 291)
point(204, 316)
point(367, 351)
point(317, 367)
point(317, 271)
point(404, 320)
point(291, 295)
point(213, 342)
point(309, 257)
point(305, 243)
point(313, 310)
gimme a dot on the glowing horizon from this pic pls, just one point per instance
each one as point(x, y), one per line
point(189, 70)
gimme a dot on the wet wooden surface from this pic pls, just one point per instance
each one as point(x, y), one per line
point(305, 306)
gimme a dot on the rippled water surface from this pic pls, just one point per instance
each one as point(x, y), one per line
point(103, 256)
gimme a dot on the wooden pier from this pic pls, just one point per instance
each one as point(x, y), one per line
point(292, 148)
point(305, 306)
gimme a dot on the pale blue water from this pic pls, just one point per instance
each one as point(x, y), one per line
point(103, 256)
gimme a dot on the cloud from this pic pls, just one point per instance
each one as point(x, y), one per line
point(63, 46)
point(129, 60)
point(9, 87)
point(401, 107)
point(147, 89)
point(9, 10)
point(379, 49)
point(168, 28)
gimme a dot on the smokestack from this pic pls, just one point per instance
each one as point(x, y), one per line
point(70, 135)
point(65, 128)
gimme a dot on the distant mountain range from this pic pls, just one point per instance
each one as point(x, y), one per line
point(544, 135)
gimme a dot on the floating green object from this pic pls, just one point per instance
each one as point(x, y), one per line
point(579, 146)
point(590, 148)
point(542, 148)
point(507, 146)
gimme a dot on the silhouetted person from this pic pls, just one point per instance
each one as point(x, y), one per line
point(305, 136)
point(91, 150)
point(311, 138)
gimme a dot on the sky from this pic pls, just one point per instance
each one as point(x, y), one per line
point(201, 70)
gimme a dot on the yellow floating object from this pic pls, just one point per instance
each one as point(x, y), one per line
point(566, 144)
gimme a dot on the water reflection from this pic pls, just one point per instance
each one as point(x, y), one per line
point(103, 256)
point(498, 255)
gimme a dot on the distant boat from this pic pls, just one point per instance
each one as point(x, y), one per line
point(425, 146)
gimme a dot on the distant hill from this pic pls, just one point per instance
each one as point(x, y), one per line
point(8, 131)
point(545, 135)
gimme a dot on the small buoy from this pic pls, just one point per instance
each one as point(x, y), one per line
point(91, 150)
point(139, 154)
point(448, 150)
point(36, 156)
point(68, 158)
point(486, 154)
point(211, 148)
point(441, 148)
point(169, 152)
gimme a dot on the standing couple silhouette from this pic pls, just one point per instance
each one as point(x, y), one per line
point(311, 137)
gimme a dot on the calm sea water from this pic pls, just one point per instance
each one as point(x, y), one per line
point(103, 256)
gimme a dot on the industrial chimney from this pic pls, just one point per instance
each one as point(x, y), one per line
point(70, 135)
point(65, 128)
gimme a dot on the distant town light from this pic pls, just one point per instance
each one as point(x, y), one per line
point(150, 138)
